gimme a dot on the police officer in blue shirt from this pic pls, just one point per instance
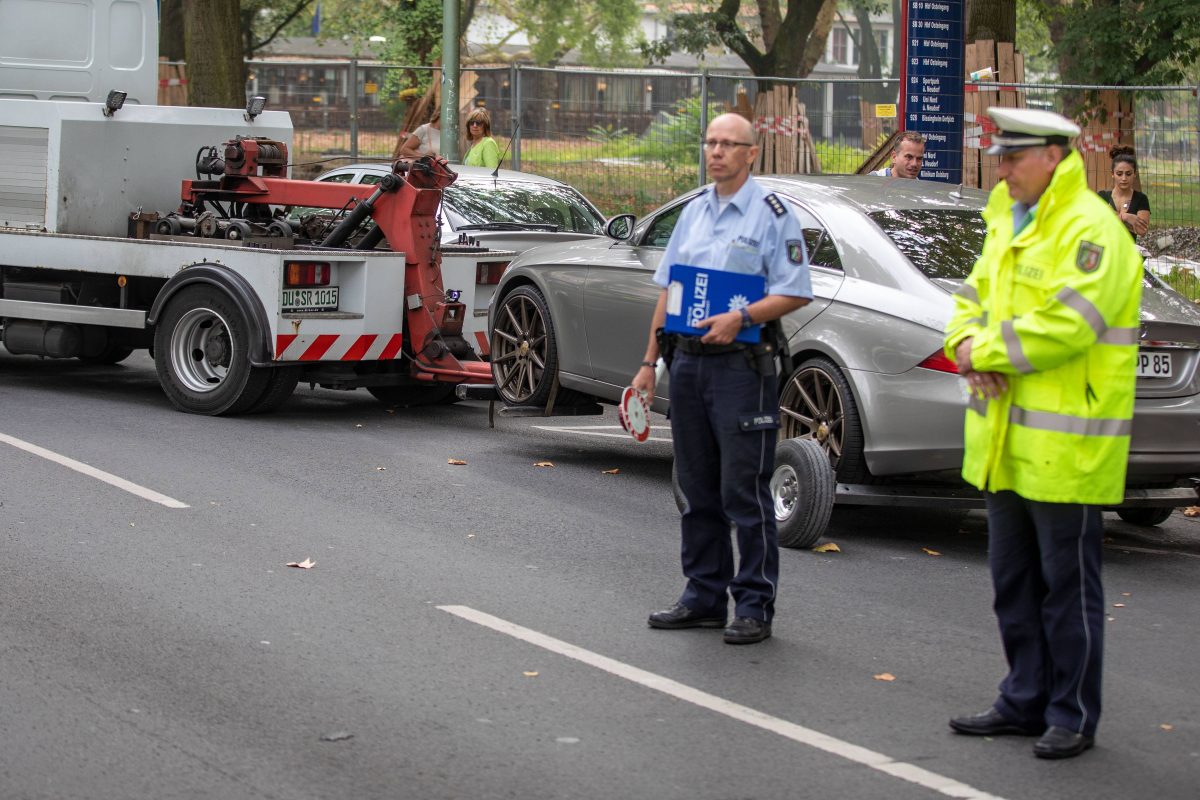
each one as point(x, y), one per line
point(724, 395)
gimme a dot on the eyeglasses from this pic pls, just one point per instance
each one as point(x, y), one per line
point(722, 144)
point(475, 122)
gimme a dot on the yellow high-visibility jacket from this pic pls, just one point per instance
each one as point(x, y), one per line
point(1055, 309)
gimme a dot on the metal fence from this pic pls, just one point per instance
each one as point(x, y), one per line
point(630, 139)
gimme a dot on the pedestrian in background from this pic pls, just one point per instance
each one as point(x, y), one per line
point(426, 140)
point(724, 394)
point(1132, 207)
point(1045, 333)
point(482, 150)
point(908, 154)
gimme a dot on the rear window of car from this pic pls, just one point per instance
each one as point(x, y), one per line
point(479, 203)
point(942, 243)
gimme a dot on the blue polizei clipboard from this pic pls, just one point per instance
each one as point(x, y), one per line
point(695, 293)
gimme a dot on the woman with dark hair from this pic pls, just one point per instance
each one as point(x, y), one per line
point(1131, 206)
point(482, 150)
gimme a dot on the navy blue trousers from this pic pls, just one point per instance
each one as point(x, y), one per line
point(1045, 561)
point(724, 421)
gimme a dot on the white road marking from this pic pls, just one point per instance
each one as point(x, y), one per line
point(597, 430)
point(92, 472)
point(789, 730)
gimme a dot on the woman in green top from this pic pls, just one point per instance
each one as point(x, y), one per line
point(482, 150)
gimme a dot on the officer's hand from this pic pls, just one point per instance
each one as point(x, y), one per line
point(722, 328)
point(987, 384)
point(962, 355)
point(643, 381)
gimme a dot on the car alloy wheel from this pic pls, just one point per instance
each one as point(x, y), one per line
point(816, 404)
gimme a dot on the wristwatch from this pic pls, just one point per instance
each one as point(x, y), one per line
point(746, 320)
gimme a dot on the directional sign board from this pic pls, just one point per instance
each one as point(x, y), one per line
point(932, 97)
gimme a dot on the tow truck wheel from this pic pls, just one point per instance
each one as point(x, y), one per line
point(525, 351)
point(280, 386)
point(816, 403)
point(111, 354)
point(1148, 517)
point(802, 488)
point(201, 354)
point(410, 396)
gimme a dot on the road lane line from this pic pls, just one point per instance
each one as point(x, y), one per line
point(92, 472)
point(789, 730)
point(596, 430)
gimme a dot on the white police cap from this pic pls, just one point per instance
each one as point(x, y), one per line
point(1018, 128)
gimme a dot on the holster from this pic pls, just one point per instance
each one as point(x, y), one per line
point(666, 345)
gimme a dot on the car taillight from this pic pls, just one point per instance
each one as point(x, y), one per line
point(306, 273)
point(939, 363)
point(489, 272)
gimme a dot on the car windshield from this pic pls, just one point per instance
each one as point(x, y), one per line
point(942, 243)
point(482, 202)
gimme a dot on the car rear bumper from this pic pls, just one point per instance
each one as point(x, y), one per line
point(1166, 439)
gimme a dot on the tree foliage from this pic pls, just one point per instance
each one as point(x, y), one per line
point(784, 38)
point(263, 20)
point(1123, 42)
point(606, 32)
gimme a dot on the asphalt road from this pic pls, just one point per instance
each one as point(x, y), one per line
point(478, 631)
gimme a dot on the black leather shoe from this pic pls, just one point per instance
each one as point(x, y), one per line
point(990, 723)
point(1061, 743)
point(680, 616)
point(747, 630)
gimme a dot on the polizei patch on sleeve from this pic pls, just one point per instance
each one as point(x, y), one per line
point(795, 251)
point(1087, 258)
point(776, 204)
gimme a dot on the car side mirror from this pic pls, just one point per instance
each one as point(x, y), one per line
point(620, 227)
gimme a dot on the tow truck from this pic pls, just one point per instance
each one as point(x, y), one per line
point(107, 246)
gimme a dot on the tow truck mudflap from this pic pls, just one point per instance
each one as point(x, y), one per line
point(852, 494)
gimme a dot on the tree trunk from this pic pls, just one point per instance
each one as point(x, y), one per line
point(170, 31)
point(992, 19)
point(216, 70)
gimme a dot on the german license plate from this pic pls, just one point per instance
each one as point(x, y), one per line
point(1154, 365)
point(322, 298)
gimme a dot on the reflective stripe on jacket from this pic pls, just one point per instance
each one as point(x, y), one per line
point(1055, 309)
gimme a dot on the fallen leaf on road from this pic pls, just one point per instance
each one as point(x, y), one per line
point(530, 674)
point(543, 463)
point(1126, 594)
point(1192, 511)
point(611, 471)
point(828, 547)
point(337, 736)
point(931, 552)
point(470, 536)
point(885, 676)
point(1166, 726)
point(358, 424)
point(1118, 605)
point(307, 563)
point(381, 469)
point(457, 462)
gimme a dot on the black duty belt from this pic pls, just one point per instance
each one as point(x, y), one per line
point(694, 347)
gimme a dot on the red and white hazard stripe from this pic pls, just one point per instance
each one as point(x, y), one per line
point(335, 347)
point(784, 125)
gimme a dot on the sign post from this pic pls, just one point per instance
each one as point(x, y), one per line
point(931, 94)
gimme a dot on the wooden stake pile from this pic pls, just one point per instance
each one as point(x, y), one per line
point(980, 169)
point(172, 84)
point(782, 133)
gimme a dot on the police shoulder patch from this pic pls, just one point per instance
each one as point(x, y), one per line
point(795, 251)
point(776, 204)
point(1088, 256)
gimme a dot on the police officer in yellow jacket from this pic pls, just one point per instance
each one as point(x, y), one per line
point(1045, 333)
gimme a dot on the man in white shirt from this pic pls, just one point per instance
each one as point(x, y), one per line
point(907, 156)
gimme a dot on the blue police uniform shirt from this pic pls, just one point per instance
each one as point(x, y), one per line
point(748, 235)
